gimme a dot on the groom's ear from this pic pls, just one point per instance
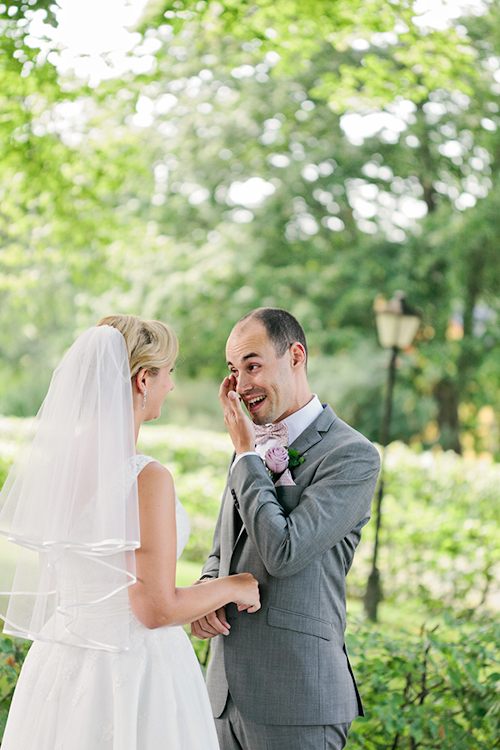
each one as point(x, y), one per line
point(297, 355)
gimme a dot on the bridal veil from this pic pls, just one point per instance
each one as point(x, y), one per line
point(69, 507)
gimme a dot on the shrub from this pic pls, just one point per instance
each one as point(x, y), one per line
point(440, 538)
point(434, 689)
point(12, 654)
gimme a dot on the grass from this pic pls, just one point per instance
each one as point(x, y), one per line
point(187, 572)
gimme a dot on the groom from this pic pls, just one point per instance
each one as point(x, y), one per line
point(281, 679)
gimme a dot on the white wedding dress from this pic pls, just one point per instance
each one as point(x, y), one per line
point(150, 697)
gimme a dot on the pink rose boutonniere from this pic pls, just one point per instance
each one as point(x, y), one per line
point(278, 459)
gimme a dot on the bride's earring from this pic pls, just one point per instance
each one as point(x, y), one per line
point(144, 400)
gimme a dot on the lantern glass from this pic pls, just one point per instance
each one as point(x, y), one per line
point(396, 329)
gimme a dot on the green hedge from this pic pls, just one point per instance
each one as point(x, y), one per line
point(433, 689)
point(440, 536)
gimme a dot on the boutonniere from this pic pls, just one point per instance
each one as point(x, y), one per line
point(278, 461)
point(294, 458)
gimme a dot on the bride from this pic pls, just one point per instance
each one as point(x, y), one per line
point(98, 530)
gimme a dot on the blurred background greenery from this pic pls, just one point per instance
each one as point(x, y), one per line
point(303, 155)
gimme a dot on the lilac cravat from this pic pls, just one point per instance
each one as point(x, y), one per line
point(277, 431)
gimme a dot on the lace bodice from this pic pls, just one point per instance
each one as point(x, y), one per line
point(181, 516)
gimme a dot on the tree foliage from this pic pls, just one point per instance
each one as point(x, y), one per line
point(305, 156)
point(401, 57)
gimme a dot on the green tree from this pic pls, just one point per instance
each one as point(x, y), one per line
point(439, 164)
point(230, 176)
point(56, 218)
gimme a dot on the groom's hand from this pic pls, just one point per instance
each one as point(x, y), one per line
point(239, 426)
point(211, 625)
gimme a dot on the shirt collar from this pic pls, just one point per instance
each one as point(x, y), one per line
point(301, 419)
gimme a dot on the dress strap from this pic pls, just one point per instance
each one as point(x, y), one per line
point(141, 461)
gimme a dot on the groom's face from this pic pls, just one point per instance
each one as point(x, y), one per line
point(264, 381)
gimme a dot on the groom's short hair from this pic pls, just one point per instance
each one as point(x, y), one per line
point(282, 328)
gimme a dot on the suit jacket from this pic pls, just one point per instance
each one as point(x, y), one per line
point(287, 663)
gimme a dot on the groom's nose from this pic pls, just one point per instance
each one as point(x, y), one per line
point(242, 384)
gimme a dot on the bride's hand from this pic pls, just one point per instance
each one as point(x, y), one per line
point(247, 597)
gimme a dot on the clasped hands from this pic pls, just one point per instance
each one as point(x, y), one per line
point(215, 623)
point(212, 624)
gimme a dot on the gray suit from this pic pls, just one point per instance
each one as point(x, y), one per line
point(287, 664)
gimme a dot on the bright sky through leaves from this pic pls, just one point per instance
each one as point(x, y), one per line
point(93, 27)
point(94, 38)
point(98, 51)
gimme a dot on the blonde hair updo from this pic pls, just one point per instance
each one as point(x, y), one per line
point(150, 344)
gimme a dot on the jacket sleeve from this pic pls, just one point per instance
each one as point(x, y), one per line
point(212, 565)
point(335, 502)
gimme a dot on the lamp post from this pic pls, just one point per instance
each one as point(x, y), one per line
point(397, 325)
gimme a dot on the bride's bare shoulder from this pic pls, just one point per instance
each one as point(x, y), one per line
point(155, 477)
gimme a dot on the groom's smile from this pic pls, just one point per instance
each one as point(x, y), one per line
point(254, 404)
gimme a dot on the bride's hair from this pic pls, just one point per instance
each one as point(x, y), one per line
point(151, 344)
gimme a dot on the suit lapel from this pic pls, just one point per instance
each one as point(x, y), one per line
point(314, 433)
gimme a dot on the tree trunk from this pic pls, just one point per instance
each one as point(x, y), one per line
point(447, 397)
point(449, 392)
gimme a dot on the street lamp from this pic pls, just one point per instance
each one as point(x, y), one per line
point(397, 325)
